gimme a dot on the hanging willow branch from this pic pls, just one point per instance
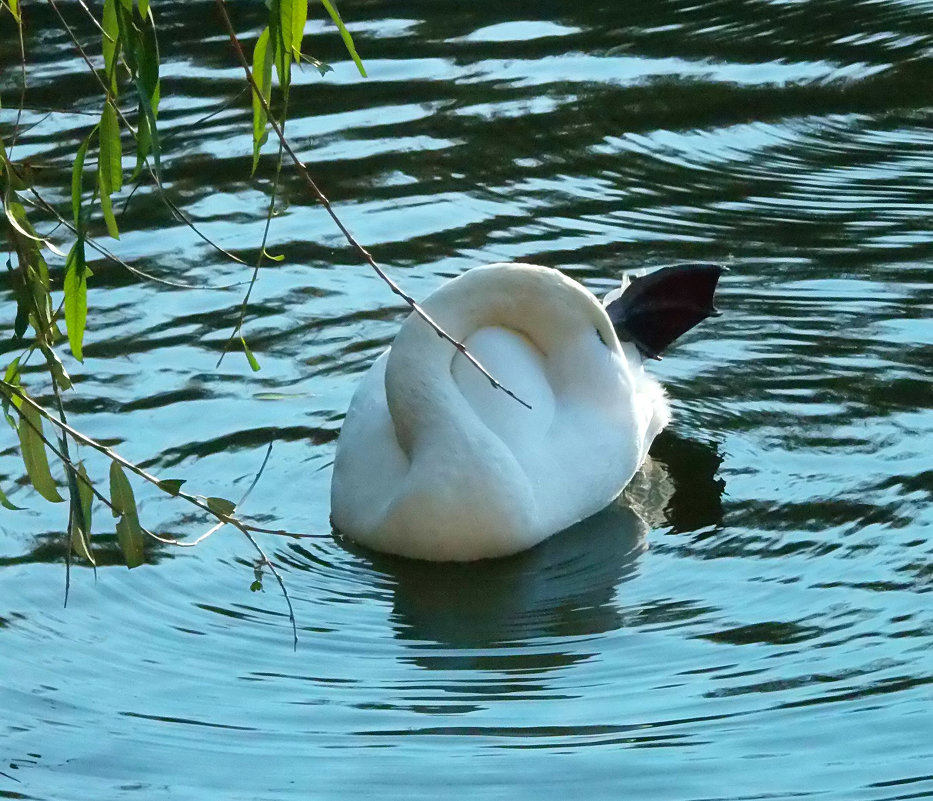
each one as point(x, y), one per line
point(130, 49)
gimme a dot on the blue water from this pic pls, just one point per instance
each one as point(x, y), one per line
point(751, 620)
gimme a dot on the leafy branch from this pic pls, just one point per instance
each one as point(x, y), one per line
point(129, 52)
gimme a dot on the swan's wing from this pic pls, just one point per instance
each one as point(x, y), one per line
point(654, 310)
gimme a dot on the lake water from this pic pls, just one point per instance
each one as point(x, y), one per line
point(753, 620)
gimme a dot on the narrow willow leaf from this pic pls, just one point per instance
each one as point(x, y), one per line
point(59, 373)
point(14, 7)
point(109, 164)
point(131, 540)
point(10, 377)
point(121, 493)
point(171, 485)
point(253, 362)
point(129, 533)
point(81, 518)
point(268, 255)
point(129, 36)
point(293, 15)
point(127, 5)
point(280, 44)
point(33, 449)
point(21, 323)
point(111, 153)
point(79, 541)
point(262, 75)
point(110, 42)
point(143, 6)
point(4, 501)
point(106, 206)
point(86, 496)
point(16, 215)
point(344, 34)
point(143, 140)
point(147, 87)
point(77, 180)
point(320, 66)
point(221, 506)
point(76, 297)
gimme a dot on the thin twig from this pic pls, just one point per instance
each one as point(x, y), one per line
point(322, 199)
point(238, 328)
point(173, 207)
point(42, 203)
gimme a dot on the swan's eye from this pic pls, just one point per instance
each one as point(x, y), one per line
point(601, 339)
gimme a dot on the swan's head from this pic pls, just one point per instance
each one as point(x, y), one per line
point(551, 310)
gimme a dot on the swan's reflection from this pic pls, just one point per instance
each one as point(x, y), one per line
point(563, 587)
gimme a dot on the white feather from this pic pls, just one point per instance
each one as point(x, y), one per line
point(434, 463)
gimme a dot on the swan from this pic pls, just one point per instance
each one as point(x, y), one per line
point(434, 463)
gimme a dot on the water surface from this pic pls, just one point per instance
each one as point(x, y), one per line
point(751, 620)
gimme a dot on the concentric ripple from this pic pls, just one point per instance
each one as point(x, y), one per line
point(750, 620)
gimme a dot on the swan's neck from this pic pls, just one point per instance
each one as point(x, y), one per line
point(558, 316)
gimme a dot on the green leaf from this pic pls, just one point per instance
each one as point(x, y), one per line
point(320, 66)
point(268, 255)
point(14, 7)
point(280, 44)
point(253, 362)
point(262, 75)
point(33, 450)
point(110, 164)
point(293, 15)
point(110, 41)
point(129, 532)
point(21, 323)
point(256, 586)
point(4, 501)
point(77, 180)
point(147, 87)
point(143, 6)
point(111, 153)
point(10, 377)
point(121, 493)
point(81, 518)
point(130, 538)
point(221, 506)
point(106, 206)
point(344, 34)
point(16, 215)
point(59, 373)
point(86, 496)
point(76, 297)
point(171, 485)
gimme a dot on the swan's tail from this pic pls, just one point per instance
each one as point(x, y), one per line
point(654, 309)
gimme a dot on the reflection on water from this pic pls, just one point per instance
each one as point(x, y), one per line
point(565, 586)
point(749, 620)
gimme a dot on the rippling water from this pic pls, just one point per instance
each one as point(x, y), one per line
point(751, 620)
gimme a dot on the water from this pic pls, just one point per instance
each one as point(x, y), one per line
point(752, 621)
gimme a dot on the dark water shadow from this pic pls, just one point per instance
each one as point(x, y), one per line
point(565, 587)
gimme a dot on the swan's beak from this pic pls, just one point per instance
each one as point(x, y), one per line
point(655, 309)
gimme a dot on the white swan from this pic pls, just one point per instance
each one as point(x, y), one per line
point(434, 463)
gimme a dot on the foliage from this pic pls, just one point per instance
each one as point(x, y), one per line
point(128, 122)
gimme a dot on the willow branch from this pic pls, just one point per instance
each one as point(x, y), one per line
point(322, 199)
point(173, 207)
point(12, 390)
